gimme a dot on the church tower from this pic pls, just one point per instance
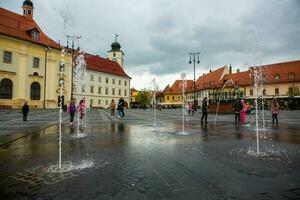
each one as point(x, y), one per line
point(28, 9)
point(116, 54)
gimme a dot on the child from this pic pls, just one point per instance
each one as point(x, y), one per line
point(112, 107)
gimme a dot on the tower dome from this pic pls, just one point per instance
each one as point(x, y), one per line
point(28, 3)
point(115, 46)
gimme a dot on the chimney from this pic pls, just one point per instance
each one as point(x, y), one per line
point(230, 69)
point(210, 70)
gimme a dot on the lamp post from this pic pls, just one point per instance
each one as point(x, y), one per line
point(194, 58)
point(45, 76)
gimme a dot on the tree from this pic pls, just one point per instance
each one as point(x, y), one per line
point(143, 97)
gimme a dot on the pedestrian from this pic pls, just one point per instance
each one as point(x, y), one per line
point(25, 110)
point(112, 107)
point(72, 109)
point(274, 110)
point(243, 111)
point(120, 107)
point(236, 108)
point(81, 108)
point(204, 110)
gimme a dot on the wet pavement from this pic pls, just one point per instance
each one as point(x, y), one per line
point(130, 158)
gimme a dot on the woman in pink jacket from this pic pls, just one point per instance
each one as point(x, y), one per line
point(243, 111)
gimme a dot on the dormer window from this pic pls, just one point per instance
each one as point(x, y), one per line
point(277, 77)
point(34, 34)
point(291, 76)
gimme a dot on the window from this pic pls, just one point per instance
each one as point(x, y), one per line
point(106, 91)
point(99, 101)
point(83, 89)
point(251, 92)
point(125, 83)
point(114, 54)
point(99, 79)
point(291, 75)
point(35, 74)
point(6, 87)
point(106, 102)
point(113, 91)
point(119, 92)
point(92, 89)
point(34, 33)
point(7, 57)
point(173, 97)
point(91, 102)
point(35, 91)
point(99, 90)
point(92, 77)
point(29, 12)
point(276, 91)
point(125, 92)
point(119, 82)
point(106, 80)
point(277, 77)
point(264, 92)
point(167, 97)
point(291, 91)
point(36, 62)
point(113, 81)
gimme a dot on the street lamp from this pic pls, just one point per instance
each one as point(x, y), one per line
point(194, 58)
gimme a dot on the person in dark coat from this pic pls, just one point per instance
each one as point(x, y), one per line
point(204, 110)
point(25, 110)
point(120, 107)
point(236, 108)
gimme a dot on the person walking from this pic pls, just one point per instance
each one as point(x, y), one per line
point(120, 107)
point(25, 111)
point(112, 107)
point(243, 111)
point(274, 110)
point(236, 108)
point(72, 109)
point(204, 110)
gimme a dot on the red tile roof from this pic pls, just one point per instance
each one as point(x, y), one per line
point(282, 69)
point(175, 89)
point(18, 26)
point(97, 63)
point(212, 79)
point(239, 78)
point(133, 90)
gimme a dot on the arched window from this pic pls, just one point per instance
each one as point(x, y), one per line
point(35, 91)
point(6, 87)
point(277, 77)
point(264, 92)
point(291, 75)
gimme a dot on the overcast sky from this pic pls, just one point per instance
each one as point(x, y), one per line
point(156, 35)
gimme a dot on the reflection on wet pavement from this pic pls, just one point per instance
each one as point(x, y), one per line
point(133, 159)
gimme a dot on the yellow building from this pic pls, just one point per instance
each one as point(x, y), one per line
point(133, 95)
point(29, 62)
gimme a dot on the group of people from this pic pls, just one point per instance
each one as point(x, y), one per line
point(120, 107)
point(190, 107)
point(72, 109)
point(240, 108)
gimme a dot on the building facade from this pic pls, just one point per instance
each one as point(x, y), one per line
point(107, 80)
point(29, 62)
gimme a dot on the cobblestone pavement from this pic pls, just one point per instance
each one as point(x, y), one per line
point(131, 158)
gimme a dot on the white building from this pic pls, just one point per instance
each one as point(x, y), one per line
point(107, 79)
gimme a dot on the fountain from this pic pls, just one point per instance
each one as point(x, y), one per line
point(183, 85)
point(219, 98)
point(256, 76)
point(79, 82)
point(154, 103)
